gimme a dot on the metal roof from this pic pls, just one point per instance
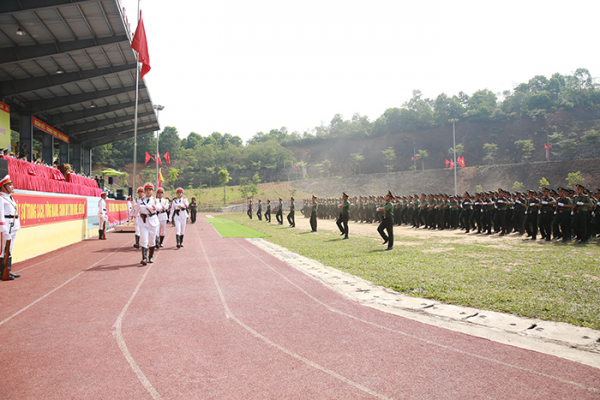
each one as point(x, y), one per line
point(72, 68)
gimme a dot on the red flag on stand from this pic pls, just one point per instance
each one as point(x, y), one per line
point(148, 158)
point(166, 156)
point(140, 45)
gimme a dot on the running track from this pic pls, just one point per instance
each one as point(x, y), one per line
point(221, 319)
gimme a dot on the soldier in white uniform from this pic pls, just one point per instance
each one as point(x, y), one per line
point(129, 208)
point(163, 216)
point(136, 216)
point(179, 215)
point(102, 216)
point(9, 224)
point(148, 223)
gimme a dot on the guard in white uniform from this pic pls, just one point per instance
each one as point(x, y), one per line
point(135, 214)
point(179, 214)
point(9, 225)
point(163, 216)
point(148, 223)
point(129, 208)
point(102, 216)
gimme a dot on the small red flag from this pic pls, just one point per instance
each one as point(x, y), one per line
point(462, 161)
point(140, 45)
point(148, 158)
point(167, 157)
point(447, 162)
point(157, 158)
point(451, 164)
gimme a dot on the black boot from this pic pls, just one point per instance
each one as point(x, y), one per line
point(144, 256)
point(151, 256)
point(99, 234)
point(178, 244)
point(157, 243)
point(12, 274)
point(161, 241)
point(103, 234)
point(137, 242)
point(2, 269)
point(181, 240)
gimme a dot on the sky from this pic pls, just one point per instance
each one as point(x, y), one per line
point(242, 67)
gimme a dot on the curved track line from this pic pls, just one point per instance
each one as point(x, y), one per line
point(55, 289)
point(466, 353)
point(279, 347)
point(118, 334)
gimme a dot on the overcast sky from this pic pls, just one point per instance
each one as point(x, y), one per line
point(245, 66)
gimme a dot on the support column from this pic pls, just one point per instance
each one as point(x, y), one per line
point(77, 164)
point(48, 148)
point(63, 153)
point(26, 134)
point(87, 160)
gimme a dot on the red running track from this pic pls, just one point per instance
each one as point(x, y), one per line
point(221, 319)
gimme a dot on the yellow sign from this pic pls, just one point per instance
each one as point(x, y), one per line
point(4, 126)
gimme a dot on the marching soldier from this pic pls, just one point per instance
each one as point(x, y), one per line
point(581, 204)
point(259, 210)
point(342, 221)
point(193, 210)
point(148, 223)
point(9, 225)
point(546, 214)
point(268, 211)
point(179, 215)
point(279, 214)
point(249, 212)
point(102, 216)
point(136, 216)
point(313, 214)
point(387, 221)
point(162, 206)
point(291, 215)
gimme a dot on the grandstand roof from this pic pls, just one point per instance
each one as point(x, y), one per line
point(72, 68)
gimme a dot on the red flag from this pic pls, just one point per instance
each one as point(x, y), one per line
point(140, 45)
point(451, 164)
point(447, 162)
point(148, 158)
point(412, 158)
point(461, 161)
point(166, 156)
point(157, 158)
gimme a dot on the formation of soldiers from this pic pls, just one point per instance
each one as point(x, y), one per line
point(549, 214)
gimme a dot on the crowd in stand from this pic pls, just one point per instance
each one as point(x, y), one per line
point(21, 152)
point(561, 214)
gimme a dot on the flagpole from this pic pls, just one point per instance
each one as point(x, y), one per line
point(135, 124)
point(158, 108)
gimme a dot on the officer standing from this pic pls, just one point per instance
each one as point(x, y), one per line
point(148, 223)
point(102, 216)
point(9, 225)
point(179, 215)
point(291, 215)
point(193, 210)
point(344, 217)
point(313, 214)
point(136, 216)
point(162, 205)
point(387, 221)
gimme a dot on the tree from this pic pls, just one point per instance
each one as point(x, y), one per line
point(390, 157)
point(574, 178)
point(544, 183)
point(355, 159)
point(568, 146)
point(526, 147)
point(224, 178)
point(460, 149)
point(517, 185)
point(592, 137)
point(173, 175)
point(324, 168)
point(422, 155)
point(491, 149)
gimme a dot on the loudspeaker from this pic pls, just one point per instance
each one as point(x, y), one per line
point(110, 180)
point(130, 192)
point(120, 194)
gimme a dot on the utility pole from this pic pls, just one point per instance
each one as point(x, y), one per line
point(454, 121)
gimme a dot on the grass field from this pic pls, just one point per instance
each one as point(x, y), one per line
point(552, 282)
point(229, 229)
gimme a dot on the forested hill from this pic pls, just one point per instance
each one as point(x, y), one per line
point(513, 127)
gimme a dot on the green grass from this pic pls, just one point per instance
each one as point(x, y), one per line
point(230, 229)
point(551, 282)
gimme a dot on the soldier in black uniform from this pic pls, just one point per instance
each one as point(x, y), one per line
point(387, 221)
point(291, 215)
point(342, 221)
point(279, 214)
point(268, 211)
point(250, 209)
point(546, 214)
point(259, 210)
point(580, 221)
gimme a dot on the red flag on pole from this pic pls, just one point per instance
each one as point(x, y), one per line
point(148, 158)
point(157, 157)
point(167, 157)
point(451, 164)
point(461, 161)
point(447, 162)
point(140, 45)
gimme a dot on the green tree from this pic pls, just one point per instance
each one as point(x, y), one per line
point(544, 183)
point(173, 176)
point(568, 146)
point(517, 185)
point(390, 157)
point(224, 178)
point(460, 149)
point(423, 155)
point(592, 138)
point(574, 178)
point(355, 159)
point(491, 150)
point(526, 148)
point(324, 167)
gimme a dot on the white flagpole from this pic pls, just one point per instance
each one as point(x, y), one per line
point(135, 124)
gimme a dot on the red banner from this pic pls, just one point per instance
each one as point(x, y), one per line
point(48, 129)
point(117, 212)
point(39, 210)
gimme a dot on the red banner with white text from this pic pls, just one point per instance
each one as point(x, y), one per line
point(117, 212)
point(40, 210)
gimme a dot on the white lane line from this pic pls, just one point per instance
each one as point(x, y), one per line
point(55, 289)
point(279, 347)
point(50, 259)
point(466, 353)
